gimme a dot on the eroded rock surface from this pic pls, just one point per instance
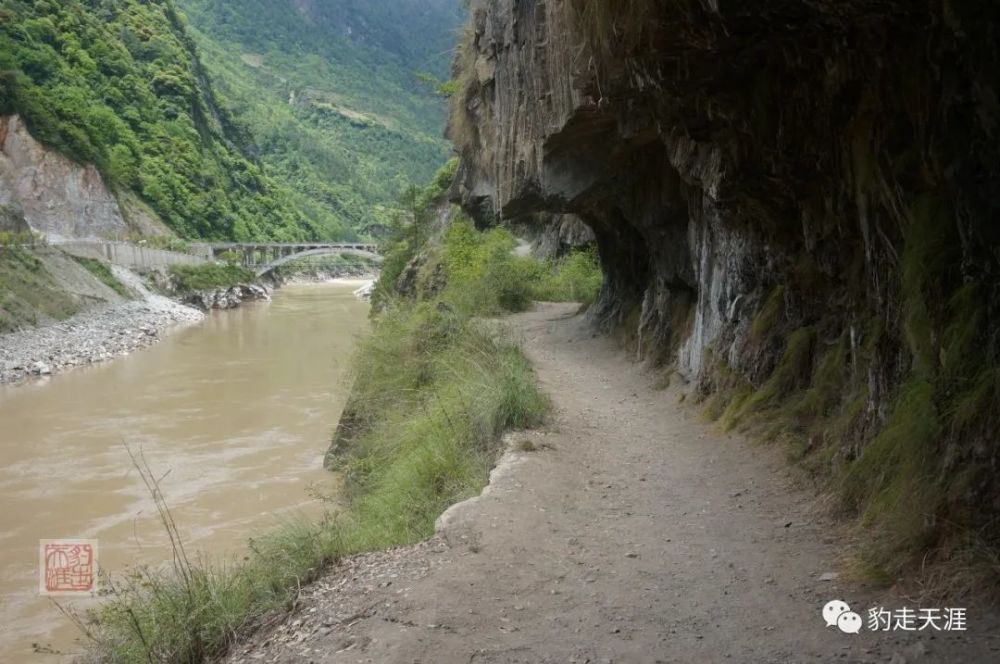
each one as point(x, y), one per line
point(227, 298)
point(774, 187)
point(56, 196)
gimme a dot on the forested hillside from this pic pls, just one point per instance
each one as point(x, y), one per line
point(308, 116)
point(117, 83)
point(330, 91)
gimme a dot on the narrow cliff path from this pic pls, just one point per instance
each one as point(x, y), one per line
point(635, 533)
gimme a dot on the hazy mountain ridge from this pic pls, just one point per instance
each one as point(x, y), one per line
point(330, 90)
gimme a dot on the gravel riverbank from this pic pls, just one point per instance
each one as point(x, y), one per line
point(93, 336)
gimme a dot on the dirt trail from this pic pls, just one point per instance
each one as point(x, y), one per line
point(636, 533)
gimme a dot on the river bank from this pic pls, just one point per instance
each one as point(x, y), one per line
point(95, 335)
point(231, 418)
point(111, 330)
point(346, 275)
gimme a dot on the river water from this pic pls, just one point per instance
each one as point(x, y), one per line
point(234, 414)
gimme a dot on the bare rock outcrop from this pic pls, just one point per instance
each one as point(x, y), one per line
point(561, 234)
point(227, 298)
point(58, 197)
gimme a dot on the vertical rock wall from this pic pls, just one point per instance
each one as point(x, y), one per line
point(781, 191)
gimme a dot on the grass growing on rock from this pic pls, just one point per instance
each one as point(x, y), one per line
point(210, 276)
point(896, 412)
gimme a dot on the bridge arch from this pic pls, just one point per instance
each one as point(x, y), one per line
point(261, 270)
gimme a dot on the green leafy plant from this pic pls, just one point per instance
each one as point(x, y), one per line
point(210, 275)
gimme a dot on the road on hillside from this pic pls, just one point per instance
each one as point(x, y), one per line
point(634, 533)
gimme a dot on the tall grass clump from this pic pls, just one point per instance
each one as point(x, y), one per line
point(434, 391)
point(484, 277)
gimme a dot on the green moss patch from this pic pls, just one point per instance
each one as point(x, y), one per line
point(102, 271)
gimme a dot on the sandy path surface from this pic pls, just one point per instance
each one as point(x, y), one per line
point(636, 533)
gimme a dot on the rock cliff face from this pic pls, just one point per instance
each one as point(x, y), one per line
point(58, 197)
point(556, 235)
point(795, 204)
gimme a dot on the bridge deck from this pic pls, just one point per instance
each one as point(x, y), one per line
point(265, 256)
point(224, 246)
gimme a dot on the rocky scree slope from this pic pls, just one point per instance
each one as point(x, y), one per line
point(794, 203)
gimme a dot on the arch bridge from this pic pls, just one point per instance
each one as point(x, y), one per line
point(262, 257)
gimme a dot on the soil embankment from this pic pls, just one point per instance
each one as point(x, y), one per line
point(633, 532)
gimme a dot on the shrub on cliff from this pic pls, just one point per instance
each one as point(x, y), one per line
point(210, 276)
point(484, 278)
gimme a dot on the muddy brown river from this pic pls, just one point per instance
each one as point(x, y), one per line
point(233, 413)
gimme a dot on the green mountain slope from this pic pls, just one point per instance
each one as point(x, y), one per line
point(117, 83)
point(328, 89)
point(305, 120)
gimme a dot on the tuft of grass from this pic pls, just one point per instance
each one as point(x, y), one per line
point(733, 411)
point(892, 484)
point(981, 399)
point(102, 271)
point(526, 445)
point(791, 373)
point(826, 390)
point(931, 248)
point(769, 316)
point(663, 381)
point(960, 355)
